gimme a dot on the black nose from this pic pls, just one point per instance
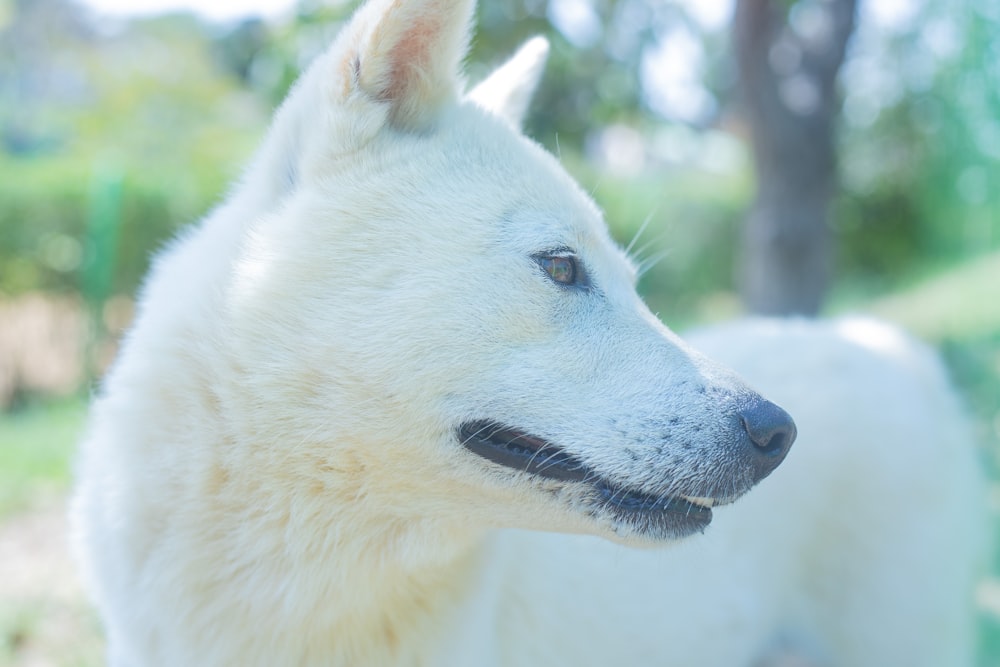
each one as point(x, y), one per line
point(771, 431)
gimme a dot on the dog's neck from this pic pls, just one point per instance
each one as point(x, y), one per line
point(366, 579)
point(385, 594)
point(320, 560)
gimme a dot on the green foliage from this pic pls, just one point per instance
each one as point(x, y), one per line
point(36, 446)
point(44, 240)
point(152, 156)
point(171, 129)
point(922, 179)
point(975, 365)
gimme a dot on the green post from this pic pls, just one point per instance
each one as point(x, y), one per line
point(104, 219)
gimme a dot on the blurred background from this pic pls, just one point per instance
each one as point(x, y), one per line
point(810, 157)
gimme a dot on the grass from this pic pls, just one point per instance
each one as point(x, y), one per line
point(44, 617)
point(36, 445)
point(47, 632)
point(963, 303)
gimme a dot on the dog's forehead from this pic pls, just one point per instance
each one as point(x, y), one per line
point(510, 167)
point(538, 226)
point(536, 204)
point(475, 165)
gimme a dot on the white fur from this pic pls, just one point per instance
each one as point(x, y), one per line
point(272, 474)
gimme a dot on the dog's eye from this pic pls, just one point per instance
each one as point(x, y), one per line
point(560, 268)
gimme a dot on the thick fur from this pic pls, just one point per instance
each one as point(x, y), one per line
point(273, 473)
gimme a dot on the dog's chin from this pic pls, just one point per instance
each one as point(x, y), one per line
point(634, 516)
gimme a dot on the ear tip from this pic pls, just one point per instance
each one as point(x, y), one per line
point(536, 47)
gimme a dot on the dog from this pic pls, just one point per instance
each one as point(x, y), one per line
point(397, 402)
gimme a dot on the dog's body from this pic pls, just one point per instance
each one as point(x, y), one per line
point(407, 337)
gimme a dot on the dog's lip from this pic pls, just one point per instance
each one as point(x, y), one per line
point(522, 451)
point(519, 450)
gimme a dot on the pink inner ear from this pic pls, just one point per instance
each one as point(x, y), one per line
point(409, 60)
point(411, 57)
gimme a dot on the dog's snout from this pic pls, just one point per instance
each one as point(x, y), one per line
point(771, 432)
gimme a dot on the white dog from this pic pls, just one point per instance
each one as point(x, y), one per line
point(406, 338)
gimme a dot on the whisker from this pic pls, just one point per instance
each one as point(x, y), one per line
point(484, 427)
point(598, 183)
point(550, 461)
point(651, 261)
point(637, 254)
point(638, 233)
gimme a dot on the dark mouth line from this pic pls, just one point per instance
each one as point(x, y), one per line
point(518, 450)
point(636, 501)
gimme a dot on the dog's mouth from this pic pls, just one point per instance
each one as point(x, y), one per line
point(662, 516)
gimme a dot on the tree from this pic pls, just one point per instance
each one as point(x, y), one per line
point(788, 58)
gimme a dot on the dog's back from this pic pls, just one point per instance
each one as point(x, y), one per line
point(883, 498)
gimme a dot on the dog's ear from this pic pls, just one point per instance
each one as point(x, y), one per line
point(396, 62)
point(508, 90)
point(406, 54)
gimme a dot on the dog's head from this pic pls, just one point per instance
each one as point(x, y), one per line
point(437, 314)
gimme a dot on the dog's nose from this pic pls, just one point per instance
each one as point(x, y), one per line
point(771, 431)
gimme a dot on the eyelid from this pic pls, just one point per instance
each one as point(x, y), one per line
point(557, 251)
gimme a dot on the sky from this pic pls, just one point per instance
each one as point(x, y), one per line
point(216, 10)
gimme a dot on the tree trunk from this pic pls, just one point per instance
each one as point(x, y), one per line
point(787, 76)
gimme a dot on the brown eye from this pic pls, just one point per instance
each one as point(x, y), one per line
point(560, 269)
